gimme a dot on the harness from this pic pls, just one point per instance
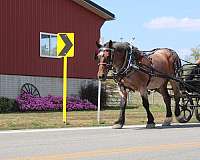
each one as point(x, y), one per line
point(131, 64)
point(134, 65)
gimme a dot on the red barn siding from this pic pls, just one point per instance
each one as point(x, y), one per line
point(21, 22)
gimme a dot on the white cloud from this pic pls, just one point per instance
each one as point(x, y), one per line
point(174, 23)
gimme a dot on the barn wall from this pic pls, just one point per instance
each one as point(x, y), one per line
point(21, 22)
point(10, 85)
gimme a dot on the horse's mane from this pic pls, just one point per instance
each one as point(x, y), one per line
point(121, 46)
point(125, 46)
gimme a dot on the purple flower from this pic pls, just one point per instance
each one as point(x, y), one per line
point(28, 103)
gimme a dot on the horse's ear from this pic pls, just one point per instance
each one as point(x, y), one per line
point(96, 55)
point(110, 44)
point(98, 44)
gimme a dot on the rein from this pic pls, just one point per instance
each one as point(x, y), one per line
point(131, 64)
point(156, 73)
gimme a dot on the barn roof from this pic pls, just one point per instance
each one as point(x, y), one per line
point(95, 8)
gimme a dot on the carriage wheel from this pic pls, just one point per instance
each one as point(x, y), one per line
point(186, 109)
point(197, 109)
point(29, 89)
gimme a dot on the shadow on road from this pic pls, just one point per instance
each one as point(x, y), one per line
point(168, 127)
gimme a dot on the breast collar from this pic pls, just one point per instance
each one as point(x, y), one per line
point(129, 65)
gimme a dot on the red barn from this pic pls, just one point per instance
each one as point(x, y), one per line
point(28, 31)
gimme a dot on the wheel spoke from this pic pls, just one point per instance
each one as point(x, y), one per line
point(26, 89)
point(35, 90)
point(30, 89)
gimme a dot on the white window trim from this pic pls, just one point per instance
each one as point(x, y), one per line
point(45, 56)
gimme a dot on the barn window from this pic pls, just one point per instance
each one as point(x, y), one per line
point(48, 43)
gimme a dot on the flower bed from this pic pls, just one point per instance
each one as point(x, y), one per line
point(28, 103)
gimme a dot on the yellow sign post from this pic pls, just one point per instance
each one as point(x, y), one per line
point(65, 49)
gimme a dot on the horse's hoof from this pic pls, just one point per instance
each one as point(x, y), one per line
point(117, 126)
point(181, 119)
point(151, 125)
point(167, 121)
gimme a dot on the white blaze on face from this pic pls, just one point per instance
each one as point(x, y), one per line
point(101, 53)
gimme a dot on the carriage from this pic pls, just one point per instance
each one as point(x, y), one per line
point(189, 80)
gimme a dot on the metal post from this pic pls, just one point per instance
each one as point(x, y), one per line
point(65, 90)
point(99, 102)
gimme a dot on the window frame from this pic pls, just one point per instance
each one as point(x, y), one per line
point(47, 56)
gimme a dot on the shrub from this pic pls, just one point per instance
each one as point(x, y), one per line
point(29, 103)
point(8, 105)
point(90, 92)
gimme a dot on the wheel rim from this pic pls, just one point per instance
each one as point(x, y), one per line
point(186, 110)
point(29, 88)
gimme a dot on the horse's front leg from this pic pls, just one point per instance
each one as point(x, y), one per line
point(145, 102)
point(120, 122)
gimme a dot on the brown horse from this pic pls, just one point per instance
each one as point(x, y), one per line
point(134, 70)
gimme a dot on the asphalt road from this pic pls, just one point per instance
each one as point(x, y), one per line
point(178, 142)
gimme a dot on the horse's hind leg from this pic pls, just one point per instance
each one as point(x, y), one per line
point(120, 122)
point(167, 99)
point(145, 102)
point(177, 96)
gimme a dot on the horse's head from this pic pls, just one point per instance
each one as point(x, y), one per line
point(105, 59)
point(111, 56)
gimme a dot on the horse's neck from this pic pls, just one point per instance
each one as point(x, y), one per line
point(121, 63)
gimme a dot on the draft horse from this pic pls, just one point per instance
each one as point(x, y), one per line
point(133, 70)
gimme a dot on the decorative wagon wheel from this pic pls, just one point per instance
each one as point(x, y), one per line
point(186, 109)
point(197, 109)
point(29, 89)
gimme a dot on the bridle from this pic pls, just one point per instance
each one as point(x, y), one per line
point(128, 65)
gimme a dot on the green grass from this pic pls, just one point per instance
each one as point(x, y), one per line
point(77, 118)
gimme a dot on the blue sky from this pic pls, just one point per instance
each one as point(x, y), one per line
point(154, 23)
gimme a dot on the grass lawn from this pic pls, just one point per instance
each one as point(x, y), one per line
point(77, 118)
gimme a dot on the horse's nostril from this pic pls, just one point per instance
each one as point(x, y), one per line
point(101, 77)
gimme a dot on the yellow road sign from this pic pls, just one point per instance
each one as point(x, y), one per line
point(65, 44)
point(65, 48)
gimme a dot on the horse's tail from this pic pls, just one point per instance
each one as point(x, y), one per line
point(177, 63)
point(175, 85)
